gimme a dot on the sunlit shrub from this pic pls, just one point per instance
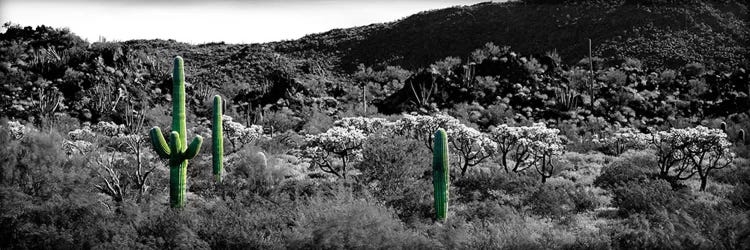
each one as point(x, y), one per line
point(171, 229)
point(630, 166)
point(395, 171)
point(560, 198)
point(662, 230)
point(250, 172)
point(347, 222)
point(646, 197)
point(243, 223)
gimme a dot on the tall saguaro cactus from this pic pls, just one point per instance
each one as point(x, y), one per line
point(441, 174)
point(217, 133)
point(177, 151)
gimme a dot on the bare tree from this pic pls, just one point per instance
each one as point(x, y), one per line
point(111, 177)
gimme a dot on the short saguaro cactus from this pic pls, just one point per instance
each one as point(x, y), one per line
point(177, 150)
point(441, 174)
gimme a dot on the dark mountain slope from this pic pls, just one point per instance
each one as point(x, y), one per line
point(665, 35)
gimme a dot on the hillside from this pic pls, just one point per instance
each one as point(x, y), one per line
point(660, 34)
point(295, 74)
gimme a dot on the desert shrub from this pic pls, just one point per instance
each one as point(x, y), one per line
point(630, 166)
point(282, 120)
point(316, 121)
point(495, 182)
point(739, 176)
point(663, 230)
point(579, 137)
point(41, 167)
point(396, 171)
point(591, 240)
point(344, 222)
point(719, 223)
point(560, 198)
point(171, 229)
point(246, 223)
point(552, 199)
point(740, 196)
point(647, 196)
point(478, 211)
point(300, 189)
point(516, 231)
point(281, 143)
point(64, 123)
point(9, 152)
point(582, 169)
point(249, 172)
point(479, 186)
point(734, 174)
point(68, 223)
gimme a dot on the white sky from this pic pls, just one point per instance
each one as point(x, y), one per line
point(232, 21)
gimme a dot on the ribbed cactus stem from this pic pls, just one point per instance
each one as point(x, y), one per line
point(217, 134)
point(441, 174)
point(177, 150)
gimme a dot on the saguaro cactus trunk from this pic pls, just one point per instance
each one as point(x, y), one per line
point(441, 174)
point(177, 151)
point(217, 134)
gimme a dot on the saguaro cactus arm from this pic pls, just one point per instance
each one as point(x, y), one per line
point(193, 148)
point(176, 147)
point(160, 145)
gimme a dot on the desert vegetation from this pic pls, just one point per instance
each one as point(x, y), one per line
point(306, 147)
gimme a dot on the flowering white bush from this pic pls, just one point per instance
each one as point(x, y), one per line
point(705, 149)
point(473, 146)
point(527, 146)
point(344, 142)
point(682, 153)
point(626, 138)
point(366, 124)
point(423, 127)
point(238, 134)
point(511, 144)
point(545, 144)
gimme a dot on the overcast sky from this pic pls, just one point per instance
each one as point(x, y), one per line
point(195, 21)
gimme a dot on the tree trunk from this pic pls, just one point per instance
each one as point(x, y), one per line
point(464, 167)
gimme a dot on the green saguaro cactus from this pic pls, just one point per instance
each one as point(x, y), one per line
point(441, 174)
point(217, 133)
point(177, 151)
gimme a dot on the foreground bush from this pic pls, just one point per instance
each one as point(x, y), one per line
point(630, 166)
point(560, 198)
point(395, 171)
point(647, 197)
point(350, 223)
